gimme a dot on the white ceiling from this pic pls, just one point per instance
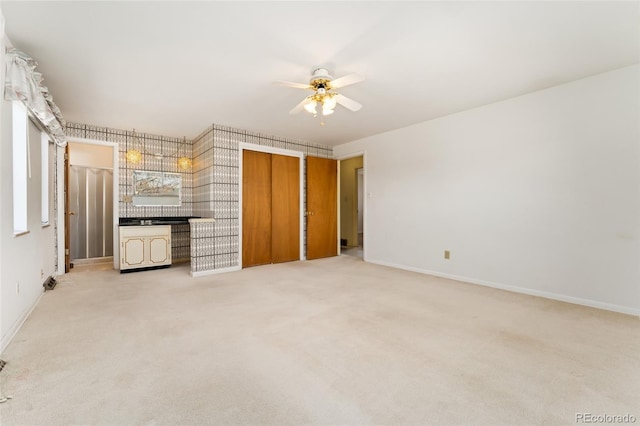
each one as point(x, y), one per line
point(174, 68)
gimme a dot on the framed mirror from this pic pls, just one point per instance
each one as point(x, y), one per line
point(156, 188)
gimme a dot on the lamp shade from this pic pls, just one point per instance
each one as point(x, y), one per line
point(311, 107)
point(328, 103)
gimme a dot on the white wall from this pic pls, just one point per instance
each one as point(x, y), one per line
point(538, 194)
point(3, 154)
point(90, 155)
point(26, 259)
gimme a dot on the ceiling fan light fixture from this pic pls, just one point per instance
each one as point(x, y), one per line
point(322, 84)
point(311, 106)
point(328, 102)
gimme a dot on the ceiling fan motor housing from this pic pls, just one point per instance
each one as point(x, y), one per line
point(320, 79)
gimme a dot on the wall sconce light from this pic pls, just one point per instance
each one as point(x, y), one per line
point(134, 156)
point(184, 162)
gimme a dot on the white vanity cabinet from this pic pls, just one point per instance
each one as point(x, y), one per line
point(145, 246)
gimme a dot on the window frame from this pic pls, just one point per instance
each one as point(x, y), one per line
point(45, 187)
point(20, 144)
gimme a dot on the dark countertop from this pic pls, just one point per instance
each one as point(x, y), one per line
point(170, 220)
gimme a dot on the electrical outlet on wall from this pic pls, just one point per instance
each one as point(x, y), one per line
point(447, 254)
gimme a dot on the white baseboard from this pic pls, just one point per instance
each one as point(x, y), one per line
point(531, 292)
point(11, 333)
point(215, 271)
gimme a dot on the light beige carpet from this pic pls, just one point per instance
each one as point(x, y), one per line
point(332, 341)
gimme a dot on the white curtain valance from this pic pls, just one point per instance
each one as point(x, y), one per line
point(23, 83)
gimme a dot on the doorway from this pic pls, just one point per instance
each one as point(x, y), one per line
point(352, 206)
point(360, 207)
point(89, 206)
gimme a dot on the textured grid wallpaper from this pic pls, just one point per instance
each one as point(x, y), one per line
point(216, 189)
point(159, 153)
point(210, 189)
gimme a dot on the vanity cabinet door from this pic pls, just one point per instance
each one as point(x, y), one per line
point(160, 250)
point(132, 253)
point(144, 246)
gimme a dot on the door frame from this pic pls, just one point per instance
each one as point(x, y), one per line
point(242, 146)
point(365, 231)
point(116, 198)
point(360, 198)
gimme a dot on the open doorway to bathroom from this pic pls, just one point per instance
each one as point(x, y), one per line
point(352, 206)
point(89, 206)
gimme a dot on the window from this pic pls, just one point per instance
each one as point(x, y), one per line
point(20, 129)
point(44, 154)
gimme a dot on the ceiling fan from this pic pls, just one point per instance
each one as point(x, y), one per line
point(322, 85)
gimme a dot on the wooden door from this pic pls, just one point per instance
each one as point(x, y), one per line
point(256, 208)
point(322, 206)
point(270, 208)
point(285, 208)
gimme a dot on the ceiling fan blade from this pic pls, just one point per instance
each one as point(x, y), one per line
point(346, 80)
point(296, 109)
point(348, 103)
point(292, 84)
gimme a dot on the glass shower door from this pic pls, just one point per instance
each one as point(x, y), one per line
point(91, 210)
